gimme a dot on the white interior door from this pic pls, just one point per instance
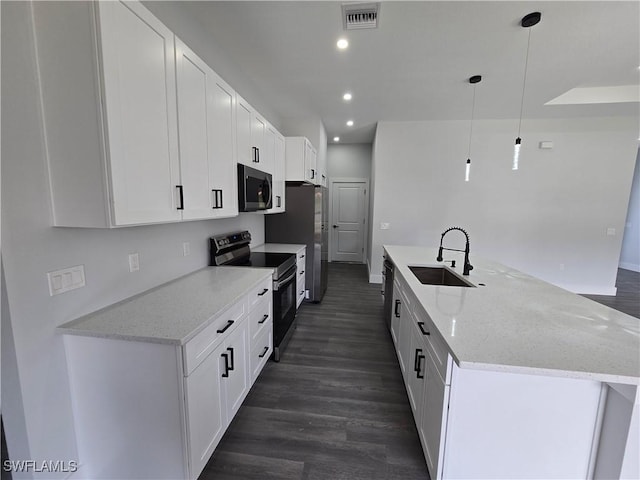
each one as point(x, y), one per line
point(348, 221)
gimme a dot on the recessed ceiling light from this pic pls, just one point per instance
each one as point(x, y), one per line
point(342, 43)
point(350, 123)
point(336, 139)
point(347, 96)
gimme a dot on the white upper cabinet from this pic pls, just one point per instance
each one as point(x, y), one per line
point(300, 160)
point(145, 132)
point(205, 125)
point(251, 137)
point(139, 97)
point(275, 147)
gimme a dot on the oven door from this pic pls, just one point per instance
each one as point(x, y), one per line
point(284, 310)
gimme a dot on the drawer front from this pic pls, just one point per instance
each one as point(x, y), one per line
point(301, 286)
point(260, 292)
point(261, 350)
point(260, 317)
point(197, 349)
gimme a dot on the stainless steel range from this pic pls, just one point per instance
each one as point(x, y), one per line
point(233, 249)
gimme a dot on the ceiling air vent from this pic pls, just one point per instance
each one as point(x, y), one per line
point(360, 15)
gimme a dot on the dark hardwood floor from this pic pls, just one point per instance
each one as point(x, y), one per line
point(627, 298)
point(335, 406)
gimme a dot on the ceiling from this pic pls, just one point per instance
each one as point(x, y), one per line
point(416, 64)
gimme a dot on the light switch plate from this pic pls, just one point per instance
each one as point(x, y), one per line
point(186, 249)
point(385, 226)
point(66, 279)
point(611, 231)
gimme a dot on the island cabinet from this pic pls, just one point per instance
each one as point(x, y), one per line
point(145, 131)
point(491, 400)
point(149, 405)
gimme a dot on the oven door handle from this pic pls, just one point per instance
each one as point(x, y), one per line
point(279, 283)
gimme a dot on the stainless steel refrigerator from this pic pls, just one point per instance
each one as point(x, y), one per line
point(305, 222)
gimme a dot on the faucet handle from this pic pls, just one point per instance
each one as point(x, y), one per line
point(453, 263)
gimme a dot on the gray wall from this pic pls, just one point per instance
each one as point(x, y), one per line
point(349, 161)
point(548, 219)
point(35, 390)
point(630, 254)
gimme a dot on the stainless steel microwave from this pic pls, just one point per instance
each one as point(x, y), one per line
point(254, 189)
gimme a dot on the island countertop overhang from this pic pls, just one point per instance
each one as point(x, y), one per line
point(513, 322)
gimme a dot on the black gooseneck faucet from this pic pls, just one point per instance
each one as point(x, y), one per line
point(467, 266)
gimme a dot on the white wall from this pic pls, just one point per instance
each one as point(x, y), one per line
point(349, 161)
point(34, 383)
point(548, 219)
point(630, 254)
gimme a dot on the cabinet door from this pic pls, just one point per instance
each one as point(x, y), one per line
point(223, 181)
point(279, 174)
point(396, 315)
point(245, 150)
point(194, 81)
point(431, 426)
point(310, 169)
point(140, 103)
point(206, 421)
point(258, 140)
point(404, 338)
point(275, 148)
point(236, 382)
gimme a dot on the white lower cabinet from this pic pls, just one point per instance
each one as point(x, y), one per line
point(490, 424)
point(205, 404)
point(158, 410)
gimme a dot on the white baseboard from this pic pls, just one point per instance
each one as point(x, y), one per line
point(630, 266)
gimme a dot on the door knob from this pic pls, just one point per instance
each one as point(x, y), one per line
point(335, 226)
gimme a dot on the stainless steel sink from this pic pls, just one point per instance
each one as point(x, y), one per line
point(439, 276)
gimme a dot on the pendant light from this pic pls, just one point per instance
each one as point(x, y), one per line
point(527, 21)
point(473, 81)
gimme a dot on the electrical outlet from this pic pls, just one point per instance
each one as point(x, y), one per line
point(611, 232)
point(186, 249)
point(134, 262)
point(562, 266)
point(61, 281)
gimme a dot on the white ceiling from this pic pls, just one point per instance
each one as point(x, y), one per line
point(416, 64)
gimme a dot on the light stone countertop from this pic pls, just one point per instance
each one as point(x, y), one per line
point(518, 323)
point(173, 312)
point(278, 247)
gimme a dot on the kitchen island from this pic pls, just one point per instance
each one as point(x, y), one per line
point(512, 377)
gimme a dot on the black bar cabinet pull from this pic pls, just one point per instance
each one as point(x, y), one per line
point(226, 365)
point(258, 152)
point(217, 198)
point(421, 326)
point(416, 361)
point(230, 349)
point(397, 309)
point(224, 329)
point(313, 173)
point(264, 319)
point(181, 207)
point(263, 292)
point(278, 203)
point(419, 374)
point(264, 352)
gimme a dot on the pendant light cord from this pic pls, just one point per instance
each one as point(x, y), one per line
point(473, 108)
point(524, 81)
